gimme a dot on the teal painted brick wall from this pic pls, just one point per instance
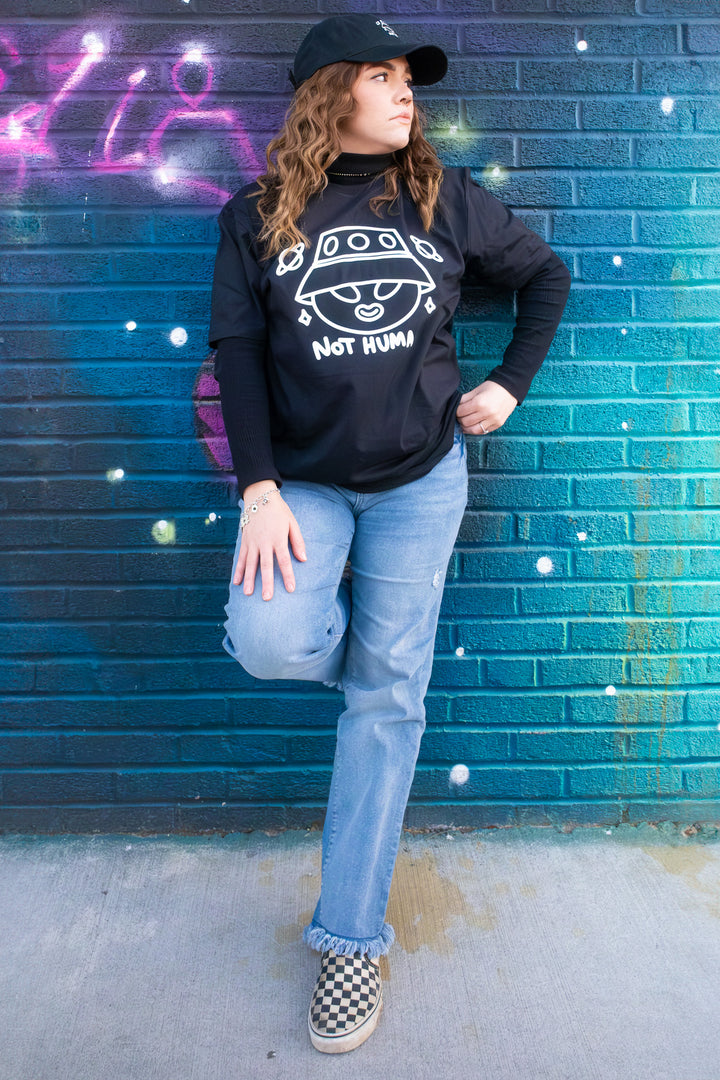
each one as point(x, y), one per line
point(577, 669)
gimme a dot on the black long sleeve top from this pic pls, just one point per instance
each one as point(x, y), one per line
point(337, 364)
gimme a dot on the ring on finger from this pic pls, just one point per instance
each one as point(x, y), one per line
point(485, 431)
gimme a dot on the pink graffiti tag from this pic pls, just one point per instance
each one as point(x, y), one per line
point(192, 57)
point(12, 53)
point(26, 140)
point(130, 161)
point(224, 117)
point(20, 141)
point(25, 132)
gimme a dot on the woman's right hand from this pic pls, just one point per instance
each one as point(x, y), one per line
point(268, 535)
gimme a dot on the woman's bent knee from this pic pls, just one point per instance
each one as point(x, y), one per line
point(259, 665)
point(268, 647)
point(257, 644)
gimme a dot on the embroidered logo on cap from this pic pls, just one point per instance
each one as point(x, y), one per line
point(385, 27)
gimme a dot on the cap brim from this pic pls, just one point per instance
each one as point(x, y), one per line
point(428, 63)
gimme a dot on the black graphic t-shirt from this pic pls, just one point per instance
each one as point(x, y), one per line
point(337, 362)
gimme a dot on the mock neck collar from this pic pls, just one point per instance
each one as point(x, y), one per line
point(358, 168)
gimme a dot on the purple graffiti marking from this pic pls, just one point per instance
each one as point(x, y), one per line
point(209, 425)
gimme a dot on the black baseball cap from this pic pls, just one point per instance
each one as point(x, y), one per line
point(364, 39)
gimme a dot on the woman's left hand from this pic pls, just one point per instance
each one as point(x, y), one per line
point(485, 409)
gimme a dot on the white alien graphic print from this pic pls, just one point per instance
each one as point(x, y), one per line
point(382, 285)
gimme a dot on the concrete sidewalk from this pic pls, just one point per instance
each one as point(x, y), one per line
point(522, 954)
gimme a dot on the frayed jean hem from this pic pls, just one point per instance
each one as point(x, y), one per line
point(317, 937)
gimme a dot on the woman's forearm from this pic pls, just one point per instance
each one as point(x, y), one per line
point(240, 374)
point(540, 304)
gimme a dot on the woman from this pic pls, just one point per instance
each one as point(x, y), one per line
point(335, 284)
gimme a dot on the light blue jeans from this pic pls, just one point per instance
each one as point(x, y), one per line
point(373, 638)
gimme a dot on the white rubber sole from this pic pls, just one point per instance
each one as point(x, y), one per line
point(340, 1044)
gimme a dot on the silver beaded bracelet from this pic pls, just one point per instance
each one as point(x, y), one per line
point(261, 500)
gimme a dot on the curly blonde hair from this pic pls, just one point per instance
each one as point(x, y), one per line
point(309, 142)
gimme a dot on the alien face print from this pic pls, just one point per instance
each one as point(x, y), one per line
point(362, 280)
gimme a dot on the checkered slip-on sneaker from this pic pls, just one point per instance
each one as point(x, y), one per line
point(346, 1004)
